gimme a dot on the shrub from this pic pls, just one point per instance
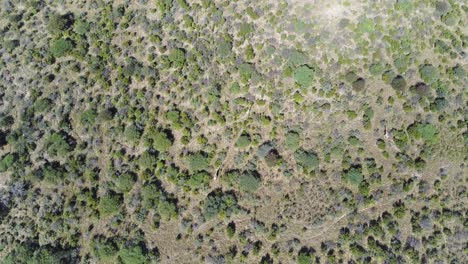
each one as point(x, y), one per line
point(366, 25)
point(398, 83)
point(42, 105)
point(88, 117)
point(198, 181)
point(125, 182)
point(359, 84)
point(307, 160)
point(103, 249)
point(132, 254)
point(147, 160)
point(57, 145)
point(197, 161)
point(426, 132)
point(7, 161)
point(177, 57)
point(132, 133)
point(161, 141)
point(429, 73)
point(81, 27)
point(272, 158)
point(167, 209)
point(243, 141)
point(219, 203)
point(354, 175)
point(60, 47)
point(304, 75)
point(10, 45)
point(110, 204)
point(292, 140)
point(249, 181)
point(57, 23)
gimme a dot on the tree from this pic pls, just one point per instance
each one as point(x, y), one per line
point(162, 141)
point(354, 175)
point(57, 145)
point(110, 204)
point(292, 140)
point(58, 23)
point(7, 161)
point(61, 47)
point(243, 141)
point(249, 181)
point(125, 181)
point(304, 75)
point(197, 161)
point(307, 160)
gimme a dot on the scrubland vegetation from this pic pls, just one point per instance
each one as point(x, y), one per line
point(233, 131)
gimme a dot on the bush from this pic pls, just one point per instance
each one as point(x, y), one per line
point(58, 23)
point(398, 83)
point(125, 182)
point(429, 73)
point(10, 45)
point(426, 132)
point(304, 75)
point(307, 160)
point(177, 57)
point(110, 204)
point(249, 181)
point(147, 160)
point(219, 203)
point(243, 141)
point(292, 140)
point(88, 117)
point(60, 47)
point(57, 145)
point(132, 255)
point(162, 141)
point(354, 175)
point(7, 161)
point(197, 162)
point(132, 133)
point(81, 27)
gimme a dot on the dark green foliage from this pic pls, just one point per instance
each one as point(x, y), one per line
point(308, 160)
point(42, 105)
point(7, 161)
point(58, 23)
point(398, 83)
point(81, 27)
point(32, 253)
point(249, 181)
point(219, 203)
point(132, 133)
point(10, 45)
point(429, 73)
point(198, 161)
point(162, 140)
point(272, 158)
point(359, 84)
point(426, 132)
point(88, 117)
point(197, 181)
point(57, 145)
point(167, 209)
point(245, 181)
point(125, 181)
point(147, 160)
point(110, 204)
point(53, 173)
point(177, 57)
point(61, 47)
point(132, 255)
point(243, 141)
point(104, 249)
point(354, 175)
